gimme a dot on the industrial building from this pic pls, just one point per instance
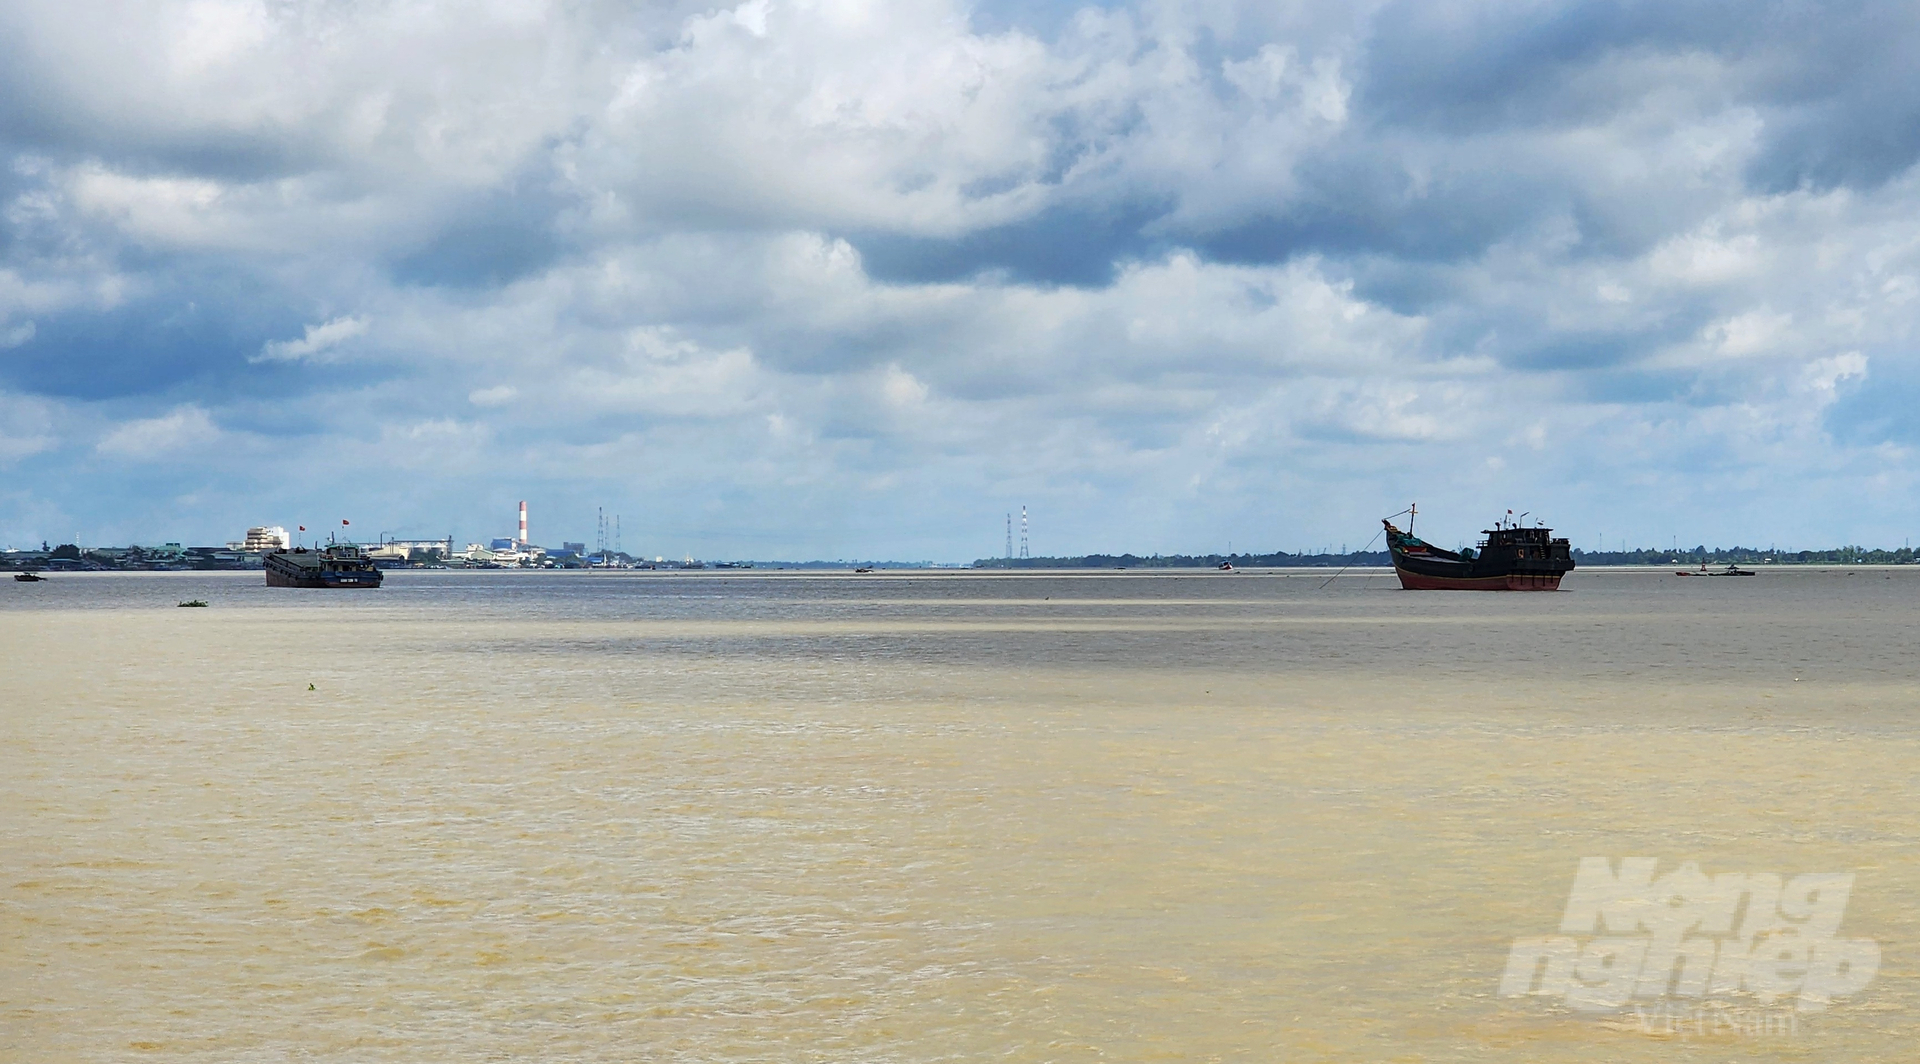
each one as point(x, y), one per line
point(263, 538)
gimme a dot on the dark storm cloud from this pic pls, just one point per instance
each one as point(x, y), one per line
point(1435, 165)
point(1062, 245)
point(195, 336)
point(41, 118)
point(1361, 205)
point(165, 343)
point(1457, 69)
point(488, 240)
point(1833, 82)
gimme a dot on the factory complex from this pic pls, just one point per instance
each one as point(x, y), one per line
point(250, 552)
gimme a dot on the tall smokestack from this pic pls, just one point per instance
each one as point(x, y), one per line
point(523, 522)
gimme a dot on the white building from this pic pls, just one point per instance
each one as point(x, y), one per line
point(265, 538)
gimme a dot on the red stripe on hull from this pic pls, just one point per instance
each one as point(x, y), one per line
point(1510, 582)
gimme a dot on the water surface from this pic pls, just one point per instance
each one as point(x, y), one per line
point(914, 816)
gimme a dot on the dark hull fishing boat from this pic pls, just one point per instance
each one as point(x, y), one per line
point(337, 565)
point(1511, 558)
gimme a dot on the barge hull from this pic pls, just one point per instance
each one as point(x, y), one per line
point(278, 579)
point(1412, 581)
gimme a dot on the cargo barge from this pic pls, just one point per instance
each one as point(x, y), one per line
point(336, 565)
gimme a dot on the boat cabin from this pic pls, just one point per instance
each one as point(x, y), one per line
point(1523, 543)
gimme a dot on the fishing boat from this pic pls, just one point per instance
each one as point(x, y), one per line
point(1512, 557)
point(29, 578)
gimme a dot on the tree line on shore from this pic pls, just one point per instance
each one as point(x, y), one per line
point(1688, 556)
point(215, 558)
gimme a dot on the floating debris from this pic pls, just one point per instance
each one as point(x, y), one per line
point(194, 602)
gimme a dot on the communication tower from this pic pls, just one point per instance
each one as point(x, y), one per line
point(1009, 536)
point(1023, 532)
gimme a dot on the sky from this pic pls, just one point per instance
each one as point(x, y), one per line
point(849, 279)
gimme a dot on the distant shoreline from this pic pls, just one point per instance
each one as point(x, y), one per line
point(210, 559)
point(1690, 559)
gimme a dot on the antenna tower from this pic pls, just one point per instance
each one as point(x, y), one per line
point(616, 534)
point(1023, 532)
point(1009, 536)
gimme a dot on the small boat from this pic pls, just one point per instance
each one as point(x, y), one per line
point(193, 602)
point(29, 578)
point(1730, 570)
point(863, 570)
point(1225, 567)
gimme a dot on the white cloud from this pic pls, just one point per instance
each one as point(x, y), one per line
point(318, 340)
point(435, 444)
point(901, 388)
point(1824, 376)
point(27, 427)
point(184, 428)
point(1750, 333)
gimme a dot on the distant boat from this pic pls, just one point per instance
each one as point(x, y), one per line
point(1730, 570)
point(29, 578)
point(1225, 567)
point(1511, 558)
point(336, 565)
point(194, 602)
point(863, 570)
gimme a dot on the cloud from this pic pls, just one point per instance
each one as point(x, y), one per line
point(147, 439)
point(27, 427)
point(1160, 271)
point(318, 340)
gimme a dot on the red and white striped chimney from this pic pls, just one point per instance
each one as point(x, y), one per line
point(523, 522)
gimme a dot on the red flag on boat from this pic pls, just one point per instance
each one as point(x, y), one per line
point(344, 520)
point(303, 528)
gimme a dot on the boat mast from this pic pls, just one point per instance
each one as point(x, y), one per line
point(1413, 510)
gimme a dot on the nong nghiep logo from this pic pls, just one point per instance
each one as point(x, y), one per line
point(1627, 935)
